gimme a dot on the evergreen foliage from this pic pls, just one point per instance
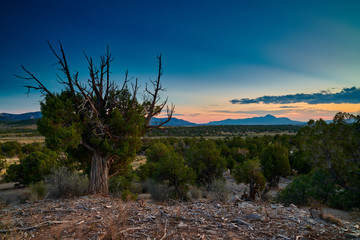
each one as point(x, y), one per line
point(249, 172)
point(275, 163)
point(204, 157)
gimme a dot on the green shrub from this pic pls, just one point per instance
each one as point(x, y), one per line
point(275, 163)
point(119, 183)
point(204, 157)
point(33, 168)
point(318, 185)
point(249, 172)
point(127, 195)
point(64, 183)
point(2, 163)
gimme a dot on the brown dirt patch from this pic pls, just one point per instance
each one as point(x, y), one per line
point(99, 217)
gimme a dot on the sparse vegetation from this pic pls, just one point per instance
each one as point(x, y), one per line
point(65, 183)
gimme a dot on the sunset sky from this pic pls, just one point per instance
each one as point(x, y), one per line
point(222, 59)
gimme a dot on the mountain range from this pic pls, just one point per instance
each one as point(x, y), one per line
point(19, 117)
point(266, 120)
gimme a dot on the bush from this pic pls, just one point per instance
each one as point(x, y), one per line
point(38, 191)
point(275, 163)
point(319, 186)
point(158, 191)
point(64, 183)
point(33, 168)
point(119, 183)
point(204, 157)
point(249, 172)
point(11, 148)
point(127, 195)
point(219, 190)
point(195, 193)
point(2, 163)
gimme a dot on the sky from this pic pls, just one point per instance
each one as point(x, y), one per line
point(222, 59)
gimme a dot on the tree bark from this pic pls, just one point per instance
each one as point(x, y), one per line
point(99, 174)
point(252, 189)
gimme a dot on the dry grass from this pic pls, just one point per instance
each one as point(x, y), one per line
point(22, 139)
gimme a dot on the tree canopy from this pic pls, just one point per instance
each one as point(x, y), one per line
point(100, 115)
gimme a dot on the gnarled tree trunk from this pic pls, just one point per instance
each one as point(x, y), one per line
point(99, 174)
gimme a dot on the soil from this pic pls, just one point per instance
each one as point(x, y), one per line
point(105, 217)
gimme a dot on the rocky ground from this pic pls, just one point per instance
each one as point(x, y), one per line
point(102, 217)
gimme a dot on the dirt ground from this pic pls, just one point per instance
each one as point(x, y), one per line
point(101, 217)
point(104, 217)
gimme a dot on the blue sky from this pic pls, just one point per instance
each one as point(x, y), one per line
point(213, 51)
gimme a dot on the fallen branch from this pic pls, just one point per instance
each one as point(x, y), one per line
point(31, 227)
point(164, 231)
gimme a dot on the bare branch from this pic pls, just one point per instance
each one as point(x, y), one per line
point(39, 86)
point(153, 108)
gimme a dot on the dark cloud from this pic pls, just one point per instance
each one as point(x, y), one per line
point(289, 107)
point(346, 95)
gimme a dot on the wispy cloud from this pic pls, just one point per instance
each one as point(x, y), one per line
point(346, 95)
point(289, 107)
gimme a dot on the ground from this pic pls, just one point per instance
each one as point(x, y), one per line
point(103, 217)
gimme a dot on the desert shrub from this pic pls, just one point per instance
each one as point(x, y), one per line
point(32, 147)
point(172, 169)
point(204, 157)
point(32, 168)
point(344, 199)
point(219, 190)
point(38, 191)
point(127, 195)
point(249, 172)
point(158, 191)
point(119, 183)
point(11, 148)
point(319, 186)
point(295, 192)
point(2, 163)
point(64, 183)
point(300, 162)
point(195, 193)
point(275, 163)
point(166, 166)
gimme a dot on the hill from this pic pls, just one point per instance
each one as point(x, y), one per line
point(19, 117)
point(174, 122)
point(266, 120)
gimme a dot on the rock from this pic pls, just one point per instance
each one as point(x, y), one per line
point(253, 217)
point(293, 206)
point(181, 225)
point(315, 213)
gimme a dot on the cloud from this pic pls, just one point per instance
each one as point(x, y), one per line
point(346, 95)
point(289, 107)
point(194, 114)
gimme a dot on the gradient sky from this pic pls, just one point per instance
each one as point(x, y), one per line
point(214, 52)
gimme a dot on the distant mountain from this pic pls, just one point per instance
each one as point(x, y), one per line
point(174, 122)
point(267, 120)
point(19, 117)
